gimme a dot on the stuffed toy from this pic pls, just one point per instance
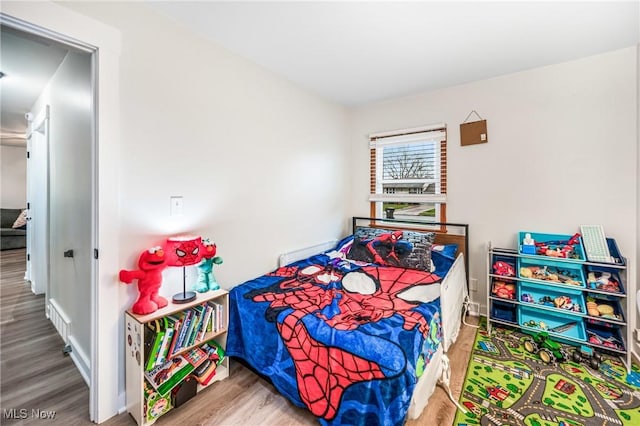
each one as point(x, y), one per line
point(206, 279)
point(149, 275)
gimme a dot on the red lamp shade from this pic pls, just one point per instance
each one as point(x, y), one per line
point(183, 250)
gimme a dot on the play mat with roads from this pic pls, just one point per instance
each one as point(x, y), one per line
point(506, 384)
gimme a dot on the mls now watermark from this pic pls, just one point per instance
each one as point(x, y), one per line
point(23, 413)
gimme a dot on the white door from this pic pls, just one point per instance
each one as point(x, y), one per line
point(38, 202)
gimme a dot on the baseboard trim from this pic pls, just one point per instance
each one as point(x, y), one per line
point(81, 360)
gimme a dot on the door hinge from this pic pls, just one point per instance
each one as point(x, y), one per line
point(28, 154)
point(28, 206)
point(95, 253)
point(28, 257)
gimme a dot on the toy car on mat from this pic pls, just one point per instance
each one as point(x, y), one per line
point(588, 356)
point(548, 350)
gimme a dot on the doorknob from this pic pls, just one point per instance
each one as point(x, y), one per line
point(68, 253)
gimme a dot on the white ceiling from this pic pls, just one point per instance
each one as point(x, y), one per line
point(360, 52)
point(29, 63)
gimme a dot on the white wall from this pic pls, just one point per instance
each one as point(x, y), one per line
point(637, 258)
point(262, 165)
point(562, 152)
point(13, 192)
point(68, 94)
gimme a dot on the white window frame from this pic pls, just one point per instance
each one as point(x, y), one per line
point(435, 133)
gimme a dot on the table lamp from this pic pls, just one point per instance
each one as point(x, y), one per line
point(183, 251)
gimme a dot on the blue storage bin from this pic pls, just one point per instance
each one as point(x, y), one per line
point(552, 242)
point(605, 337)
point(530, 319)
point(614, 251)
point(603, 299)
point(539, 294)
point(568, 274)
point(596, 279)
point(504, 311)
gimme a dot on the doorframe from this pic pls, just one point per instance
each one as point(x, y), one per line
point(39, 124)
point(50, 20)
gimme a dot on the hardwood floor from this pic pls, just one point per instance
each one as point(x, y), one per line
point(36, 375)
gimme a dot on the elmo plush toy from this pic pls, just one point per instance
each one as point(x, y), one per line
point(206, 280)
point(149, 275)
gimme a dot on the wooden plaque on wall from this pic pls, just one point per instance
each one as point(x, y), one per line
point(473, 133)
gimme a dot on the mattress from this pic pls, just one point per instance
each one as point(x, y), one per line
point(348, 342)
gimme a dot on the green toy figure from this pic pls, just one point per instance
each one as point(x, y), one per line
point(206, 279)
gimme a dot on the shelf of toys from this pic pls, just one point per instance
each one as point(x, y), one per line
point(548, 284)
point(158, 379)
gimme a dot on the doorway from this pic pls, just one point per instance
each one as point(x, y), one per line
point(60, 130)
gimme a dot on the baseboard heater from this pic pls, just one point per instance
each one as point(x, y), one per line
point(293, 256)
point(60, 320)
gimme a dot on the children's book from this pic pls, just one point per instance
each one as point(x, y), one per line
point(177, 319)
point(166, 376)
point(200, 310)
point(157, 329)
point(183, 330)
point(205, 324)
point(192, 324)
point(215, 354)
point(164, 348)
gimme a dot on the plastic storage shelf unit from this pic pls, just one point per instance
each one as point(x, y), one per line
point(554, 242)
point(556, 324)
point(551, 272)
point(554, 298)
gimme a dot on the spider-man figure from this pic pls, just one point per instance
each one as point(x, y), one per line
point(387, 248)
point(311, 305)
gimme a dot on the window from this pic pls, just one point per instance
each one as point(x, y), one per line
point(409, 174)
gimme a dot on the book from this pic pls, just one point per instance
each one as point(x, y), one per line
point(200, 310)
point(165, 377)
point(213, 316)
point(177, 323)
point(204, 329)
point(221, 322)
point(164, 348)
point(156, 328)
point(192, 324)
point(215, 354)
point(183, 329)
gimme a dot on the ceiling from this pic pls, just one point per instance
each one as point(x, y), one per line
point(360, 52)
point(28, 63)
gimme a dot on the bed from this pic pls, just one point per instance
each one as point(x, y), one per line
point(357, 334)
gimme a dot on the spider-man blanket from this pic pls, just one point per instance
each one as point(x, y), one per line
point(348, 342)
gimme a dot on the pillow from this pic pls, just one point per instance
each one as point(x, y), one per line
point(21, 221)
point(407, 249)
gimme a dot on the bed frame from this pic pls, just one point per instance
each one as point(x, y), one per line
point(454, 292)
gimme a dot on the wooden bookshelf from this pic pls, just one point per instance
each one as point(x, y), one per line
point(143, 406)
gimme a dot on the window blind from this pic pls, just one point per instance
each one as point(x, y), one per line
point(409, 165)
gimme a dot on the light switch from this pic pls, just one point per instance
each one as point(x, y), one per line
point(176, 206)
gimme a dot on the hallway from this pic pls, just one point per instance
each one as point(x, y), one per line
point(37, 379)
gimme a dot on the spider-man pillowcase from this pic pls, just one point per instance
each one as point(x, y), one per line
point(407, 249)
